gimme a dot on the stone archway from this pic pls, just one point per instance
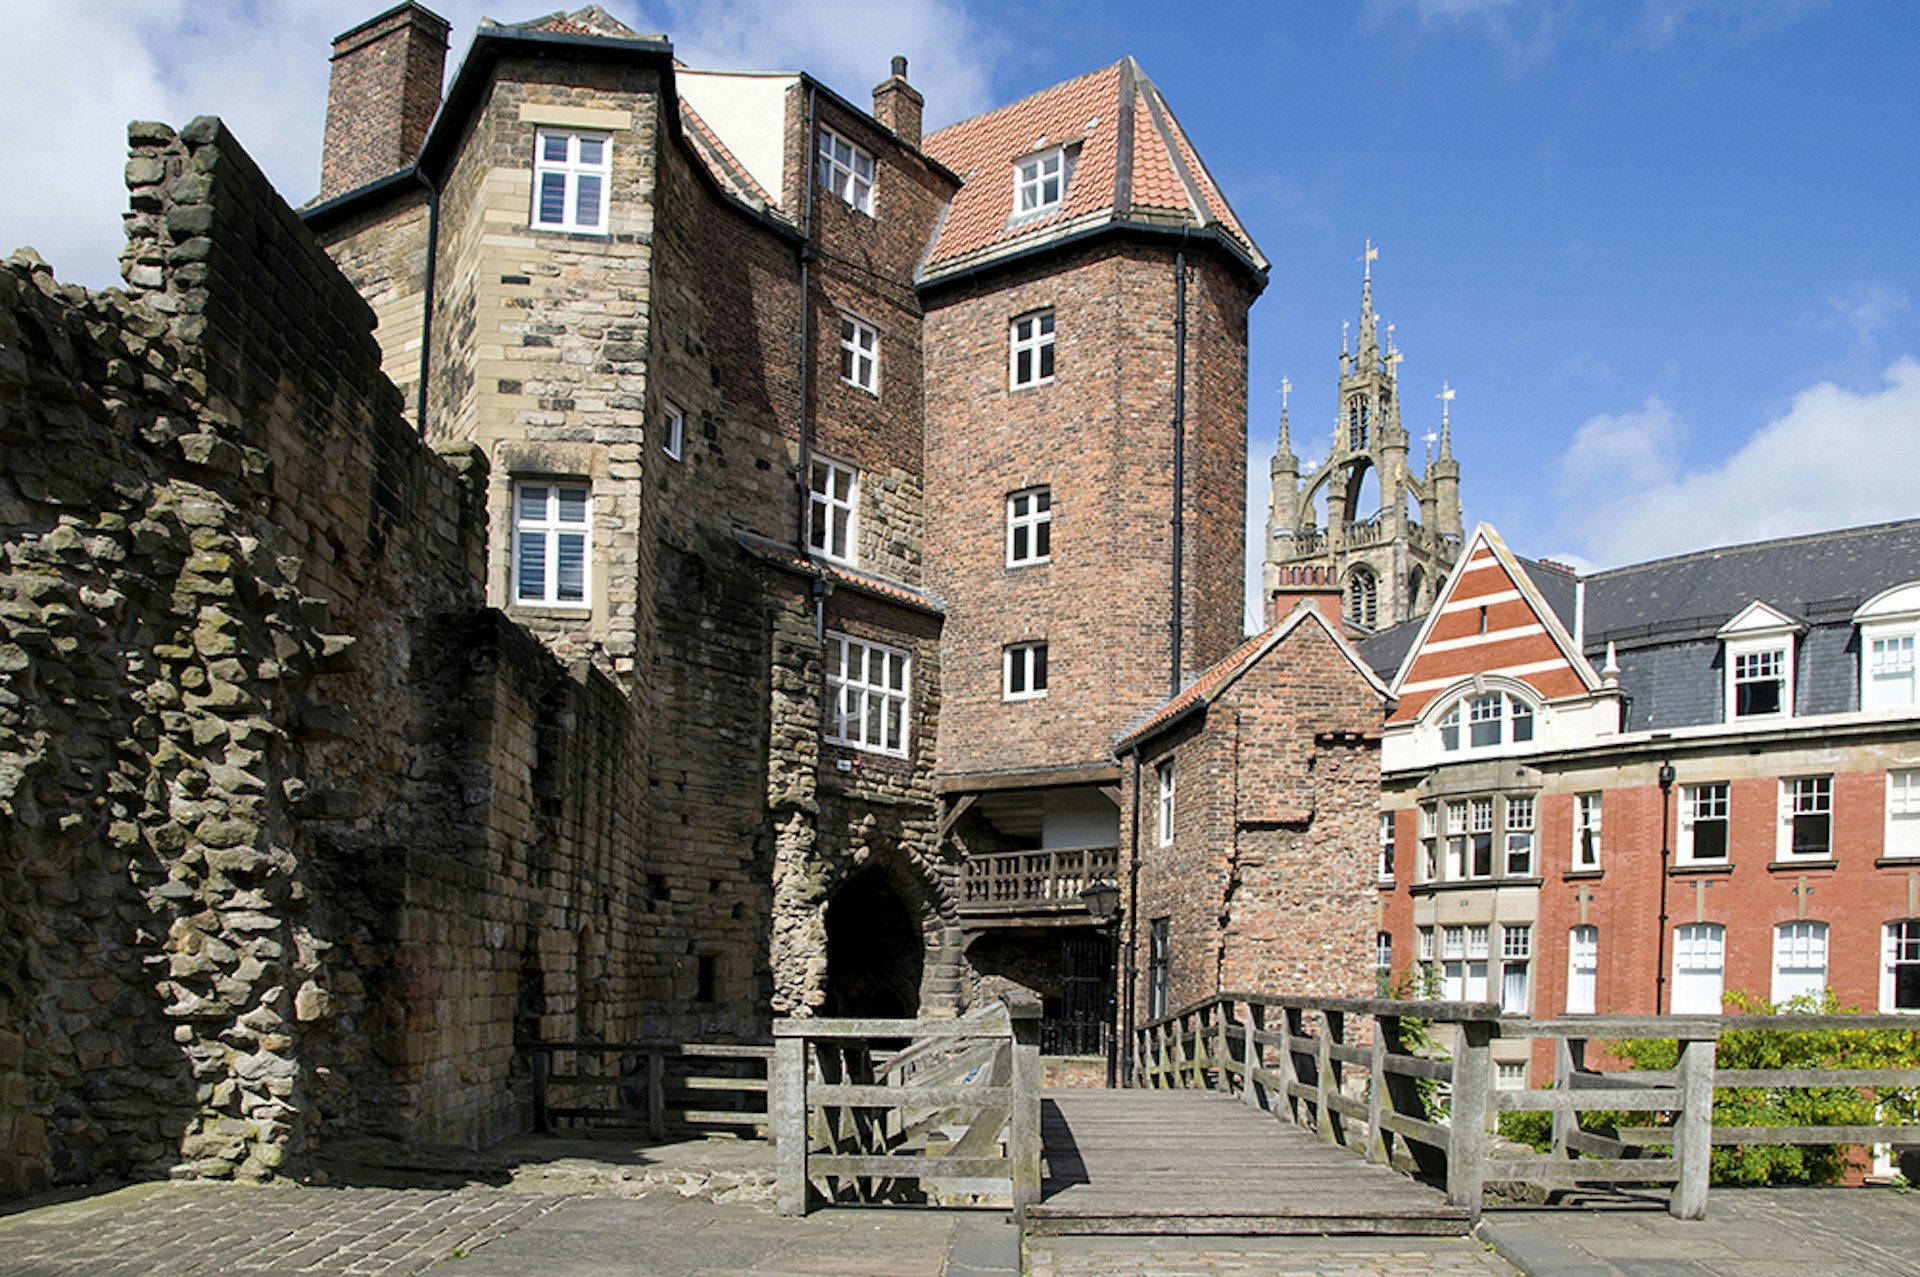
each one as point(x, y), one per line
point(876, 951)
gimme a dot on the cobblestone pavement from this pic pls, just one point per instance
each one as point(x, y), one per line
point(1262, 1257)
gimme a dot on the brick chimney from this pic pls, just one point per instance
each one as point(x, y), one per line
point(384, 91)
point(1317, 585)
point(897, 105)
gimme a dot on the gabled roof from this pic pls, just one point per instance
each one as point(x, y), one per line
point(592, 20)
point(1446, 650)
point(1223, 674)
point(1133, 165)
point(1757, 618)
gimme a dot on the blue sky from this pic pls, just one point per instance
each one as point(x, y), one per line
point(1667, 251)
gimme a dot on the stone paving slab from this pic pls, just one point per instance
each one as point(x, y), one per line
point(1262, 1257)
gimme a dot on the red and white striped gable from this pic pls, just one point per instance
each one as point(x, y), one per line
point(1490, 619)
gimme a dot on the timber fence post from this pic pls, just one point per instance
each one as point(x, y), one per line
point(1225, 1046)
point(1325, 1080)
point(1288, 1073)
point(1377, 1101)
point(788, 1117)
point(1467, 1118)
point(1693, 1129)
point(1250, 1054)
point(1569, 1057)
point(1023, 1122)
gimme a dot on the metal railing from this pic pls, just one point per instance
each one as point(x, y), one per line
point(859, 1117)
point(1363, 1073)
point(1047, 880)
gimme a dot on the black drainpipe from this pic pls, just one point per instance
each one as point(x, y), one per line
point(1133, 925)
point(1179, 454)
point(426, 310)
point(803, 481)
point(1666, 777)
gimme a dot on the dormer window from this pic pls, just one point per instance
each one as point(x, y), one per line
point(1492, 719)
point(1759, 663)
point(1889, 642)
point(1040, 182)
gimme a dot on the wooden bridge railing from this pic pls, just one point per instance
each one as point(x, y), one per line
point(1365, 1072)
point(683, 1087)
point(864, 1108)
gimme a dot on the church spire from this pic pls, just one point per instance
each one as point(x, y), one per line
point(1369, 349)
point(1286, 438)
point(1446, 424)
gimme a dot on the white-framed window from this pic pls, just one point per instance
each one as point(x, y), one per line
point(1382, 964)
point(846, 170)
point(1806, 818)
point(1463, 963)
point(1429, 868)
point(1900, 967)
point(1492, 719)
point(1030, 350)
point(1470, 839)
point(859, 354)
point(1039, 182)
point(867, 691)
point(1029, 527)
point(1423, 937)
point(1516, 969)
point(1510, 1075)
point(1583, 969)
point(1890, 672)
point(832, 510)
point(1024, 670)
point(1586, 832)
point(1903, 814)
point(1703, 823)
point(1699, 967)
point(1363, 597)
point(1164, 772)
point(552, 521)
point(1519, 837)
point(1799, 960)
point(673, 429)
point(571, 171)
point(1387, 822)
point(1760, 685)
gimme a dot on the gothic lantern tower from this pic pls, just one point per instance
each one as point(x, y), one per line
point(1388, 557)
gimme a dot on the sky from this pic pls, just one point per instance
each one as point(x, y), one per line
point(1667, 252)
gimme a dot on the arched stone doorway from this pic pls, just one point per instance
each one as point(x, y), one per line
point(876, 953)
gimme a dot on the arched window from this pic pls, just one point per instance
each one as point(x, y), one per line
point(1363, 597)
point(1492, 718)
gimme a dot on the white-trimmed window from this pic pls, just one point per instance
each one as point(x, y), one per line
point(1164, 772)
point(1760, 686)
point(1520, 837)
point(1492, 719)
point(1583, 969)
point(1703, 823)
point(1586, 832)
point(1039, 182)
point(1470, 839)
point(1516, 969)
point(1510, 1075)
point(552, 519)
point(846, 170)
point(1463, 963)
point(1029, 527)
point(1900, 967)
point(571, 171)
point(1024, 669)
point(1903, 814)
point(1030, 350)
point(673, 429)
point(832, 507)
point(1890, 672)
point(1423, 947)
point(1429, 867)
point(1699, 968)
point(1387, 821)
point(1889, 643)
point(1382, 964)
point(867, 689)
point(1806, 818)
point(1799, 960)
point(859, 354)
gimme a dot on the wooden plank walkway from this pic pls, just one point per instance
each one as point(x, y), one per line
point(1198, 1162)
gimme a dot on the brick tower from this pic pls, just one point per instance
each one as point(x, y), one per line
point(1388, 563)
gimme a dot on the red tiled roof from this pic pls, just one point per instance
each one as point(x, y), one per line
point(806, 565)
point(592, 20)
point(1134, 163)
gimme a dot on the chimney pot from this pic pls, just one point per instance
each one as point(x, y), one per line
point(898, 106)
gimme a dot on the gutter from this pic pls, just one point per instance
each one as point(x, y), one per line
point(1118, 226)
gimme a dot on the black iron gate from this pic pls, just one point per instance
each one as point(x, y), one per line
point(1081, 1028)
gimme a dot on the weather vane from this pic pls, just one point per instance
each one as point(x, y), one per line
point(1369, 257)
point(1446, 398)
point(1286, 388)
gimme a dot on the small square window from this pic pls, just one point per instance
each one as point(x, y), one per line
point(552, 522)
point(673, 429)
point(571, 172)
point(1029, 527)
point(1025, 668)
point(859, 355)
point(846, 170)
point(1030, 353)
point(1039, 183)
point(1759, 683)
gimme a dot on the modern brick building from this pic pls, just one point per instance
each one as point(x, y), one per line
point(892, 477)
point(1647, 789)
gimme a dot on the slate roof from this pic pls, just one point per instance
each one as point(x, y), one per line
point(1135, 164)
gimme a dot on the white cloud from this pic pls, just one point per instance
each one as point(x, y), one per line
point(1864, 309)
point(1837, 458)
point(74, 72)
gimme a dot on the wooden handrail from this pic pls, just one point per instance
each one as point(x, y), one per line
point(644, 1092)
